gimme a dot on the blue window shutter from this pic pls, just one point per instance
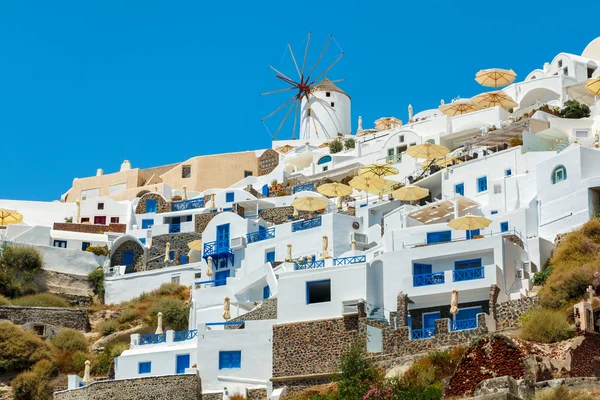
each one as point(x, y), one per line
point(128, 258)
point(422, 269)
point(482, 184)
point(459, 188)
point(508, 172)
point(151, 205)
point(144, 367)
point(409, 321)
point(85, 245)
point(230, 359)
point(171, 255)
point(183, 362)
point(270, 256)
point(494, 212)
point(183, 259)
point(504, 227)
point(470, 313)
point(467, 264)
point(429, 320)
point(265, 190)
point(439, 237)
point(266, 292)
point(229, 197)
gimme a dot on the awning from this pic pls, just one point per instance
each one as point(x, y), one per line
point(442, 209)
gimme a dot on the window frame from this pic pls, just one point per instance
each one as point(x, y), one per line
point(229, 197)
point(85, 245)
point(114, 220)
point(504, 225)
point(144, 363)
point(100, 206)
point(462, 185)
point(508, 172)
point(186, 168)
point(59, 243)
point(310, 283)
point(479, 186)
point(231, 360)
point(555, 174)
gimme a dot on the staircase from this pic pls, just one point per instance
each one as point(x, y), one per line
point(377, 314)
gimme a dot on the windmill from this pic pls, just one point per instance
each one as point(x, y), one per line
point(303, 101)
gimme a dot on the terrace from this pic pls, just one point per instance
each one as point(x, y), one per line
point(303, 264)
point(187, 204)
point(260, 235)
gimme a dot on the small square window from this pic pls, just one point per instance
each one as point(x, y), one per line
point(508, 172)
point(497, 189)
point(494, 212)
point(114, 220)
point(38, 330)
point(325, 168)
point(332, 104)
point(144, 367)
point(318, 291)
point(175, 279)
point(559, 63)
point(504, 227)
point(247, 174)
point(85, 220)
point(229, 197)
point(401, 138)
point(186, 171)
point(100, 206)
point(85, 245)
point(327, 94)
point(198, 275)
point(230, 359)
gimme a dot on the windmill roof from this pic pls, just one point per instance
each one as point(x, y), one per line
point(327, 86)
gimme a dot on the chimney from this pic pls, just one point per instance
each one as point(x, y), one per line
point(99, 172)
point(126, 166)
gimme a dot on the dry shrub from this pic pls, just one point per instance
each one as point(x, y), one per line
point(327, 391)
point(41, 300)
point(562, 393)
point(70, 339)
point(70, 362)
point(434, 367)
point(19, 349)
point(4, 301)
point(35, 384)
point(237, 396)
point(545, 326)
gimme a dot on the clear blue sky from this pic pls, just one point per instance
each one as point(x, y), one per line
point(85, 85)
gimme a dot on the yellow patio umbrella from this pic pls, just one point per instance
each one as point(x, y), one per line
point(593, 86)
point(427, 150)
point(458, 107)
point(444, 162)
point(309, 203)
point(410, 193)
point(493, 99)
point(335, 189)
point(226, 313)
point(367, 183)
point(8, 217)
point(469, 222)
point(388, 188)
point(495, 77)
point(195, 245)
point(377, 170)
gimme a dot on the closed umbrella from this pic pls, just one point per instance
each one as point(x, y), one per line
point(87, 377)
point(493, 99)
point(289, 253)
point(226, 314)
point(77, 211)
point(495, 77)
point(593, 86)
point(410, 193)
point(469, 222)
point(209, 268)
point(335, 189)
point(428, 151)
point(184, 193)
point(211, 202)
point(8, 217)
point(159, 327)
point(377, 170)
point(458, 107)
point(309, 203)
point(325, 245)
point(167, 250)
point(454, 302)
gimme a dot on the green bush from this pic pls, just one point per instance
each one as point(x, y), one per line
point(19, 349)
point(29, 386)
point(335, 146)
point(96, 278)
point(70, 339)
point(70, 362)
point(539, 278)
point(4, 301)
point(108, 327)
point(41, 300)
point(101, 363)
point(349, 143)
point(19, 265)
point(545, 326)
point(562, 393)
point(127, 315)
point(356, 374)
point(175, 313)
point(172, 288)
point(98, 250)
point(574, 109)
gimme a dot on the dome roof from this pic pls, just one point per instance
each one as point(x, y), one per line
point(327, 86)
point(592, 50)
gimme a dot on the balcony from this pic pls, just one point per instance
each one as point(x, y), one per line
point(187, 204)
point(261, 235)
point(436, 278)
point(218, 250)
point(306, 224)
point(463, 324)
point(182, 336)
point(174, 228)
point(211, 283)
point(349, 260)
point(153, 338)
point(417, 334)
point(302, 265)
point(304, 188)
point(468, 274)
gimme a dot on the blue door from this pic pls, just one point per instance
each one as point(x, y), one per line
point(439, 237)
point(429, 323)
point(422, 269)
point(469, 313)
point(471, 234)
point(270, 256)
point(266, 292)
point(128, 258)
point(221, 277)
point(459, 188)
point(265, 190)
point(183, 362)
point(147, 223)
point(223, 237)
point(151, 206)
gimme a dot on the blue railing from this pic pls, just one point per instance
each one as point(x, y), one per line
point(306, 224)
point(468, 274)
point(416, 334)
point(187, 204)
point(182, 336)
point(300, 265)
point(262, 234)
point(174, 228)
point(214, 282)
point(225, 323)
point(304, 188)
point(153, 338)
point(211, 248)
point(436, 278)
point(463, 324)
point(349, 260)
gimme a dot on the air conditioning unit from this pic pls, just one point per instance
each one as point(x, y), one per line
point(361, 239)
point(238, 243)
point(350, 307)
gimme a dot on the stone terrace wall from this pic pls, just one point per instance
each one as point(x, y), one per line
point(202, 220)
point(266, 310)
point(311, 347)
point(256, 394)
point(178, 241)
point(507, 314)
point(75, 318)
point(89, 228)
point(162, 205)
point(280, 215)
point(172, 387)
point(212, 396)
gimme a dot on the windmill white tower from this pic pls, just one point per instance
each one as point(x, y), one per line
point(327, 115)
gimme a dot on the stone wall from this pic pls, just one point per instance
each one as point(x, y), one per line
point(281, 215)
point(172, 387)
point(507, 314)
point(202, 220)
point(582, 356)
point(311, 347)
point(266, 310)
point(212, 396)
point(256, 394)
point(75, 318)
point(162, 205)
point(116, 255)
point(89, 228)
point(267, 162)
point(179, 244)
